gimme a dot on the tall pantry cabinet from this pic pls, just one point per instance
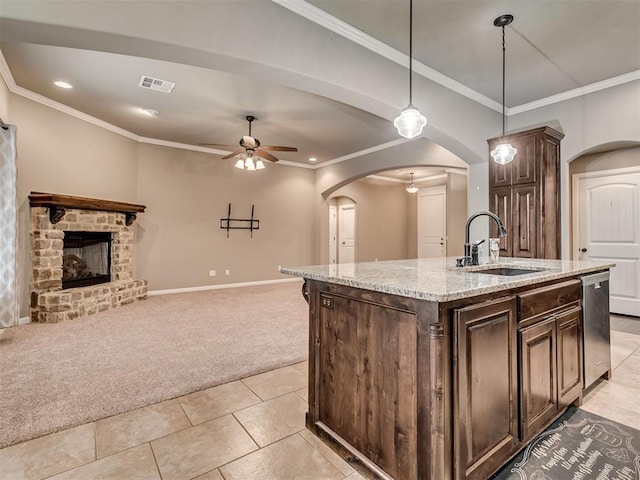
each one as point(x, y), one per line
point(525, 194)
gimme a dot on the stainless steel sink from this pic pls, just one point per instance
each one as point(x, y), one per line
point(506, 271)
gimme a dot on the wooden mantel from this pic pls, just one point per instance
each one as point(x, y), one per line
point(57, 205)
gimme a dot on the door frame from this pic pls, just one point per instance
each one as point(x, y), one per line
point(425, 192)
point(333, 225)
point(576, 178)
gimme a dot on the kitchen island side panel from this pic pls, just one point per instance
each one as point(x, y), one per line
point(371, 357)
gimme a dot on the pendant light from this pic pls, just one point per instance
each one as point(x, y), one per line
point(410, 122)
point(411, 188)
point(504, 152)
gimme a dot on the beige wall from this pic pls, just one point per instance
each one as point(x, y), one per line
point(456, 214)
point(187, 193)
point(381, 220)
point(58, 153)
point(595, 162)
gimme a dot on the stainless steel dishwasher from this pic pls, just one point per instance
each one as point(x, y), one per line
point(596, 327)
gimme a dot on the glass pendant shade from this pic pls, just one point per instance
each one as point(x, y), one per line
point(259, 165)
point(249, 165)
point(240, 164)
point(410, 122)
point(503, 153)
point(411, 188)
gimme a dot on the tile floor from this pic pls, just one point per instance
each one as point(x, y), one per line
point(245, 430)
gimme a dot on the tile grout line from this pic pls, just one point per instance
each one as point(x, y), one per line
point(219, 467)
point(155, 459)
point(327, 458)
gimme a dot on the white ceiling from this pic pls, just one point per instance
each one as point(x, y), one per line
point(552, 47)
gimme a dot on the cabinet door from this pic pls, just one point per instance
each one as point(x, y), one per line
point(501, 206)
point(569, 328)
point(500, 199)
point(485, 387)
point(538, 387)
point(525, 163)
point(499, 175)
point(524, 221)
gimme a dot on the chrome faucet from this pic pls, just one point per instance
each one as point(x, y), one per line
point(468, 258)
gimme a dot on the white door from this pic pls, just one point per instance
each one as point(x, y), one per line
point(607, 229)
point(333, 232)
point(347, 233)
point(432, 222)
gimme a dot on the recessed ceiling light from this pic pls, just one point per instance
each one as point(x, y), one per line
point(150, 112)
point(62, 84)
point(313, 159)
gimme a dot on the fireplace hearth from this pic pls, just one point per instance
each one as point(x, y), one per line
point(81, 256)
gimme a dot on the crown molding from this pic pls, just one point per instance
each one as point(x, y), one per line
point(415, 180)
point(576, 92)
point(359, 153)
point(322, 18)
point(6, 74)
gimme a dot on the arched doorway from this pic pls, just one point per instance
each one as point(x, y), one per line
point(605, 207)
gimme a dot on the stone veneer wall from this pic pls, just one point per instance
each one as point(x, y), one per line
point(49, 302)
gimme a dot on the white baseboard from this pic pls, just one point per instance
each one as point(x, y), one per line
point(219, 287)
point(24, 320)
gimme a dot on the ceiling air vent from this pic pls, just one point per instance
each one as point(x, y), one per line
point(156, 84)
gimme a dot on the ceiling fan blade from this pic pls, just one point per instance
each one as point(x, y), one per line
point(249, 142)
point(233, 154)
point(277, 148)
point(265, 155)
point(217, 145)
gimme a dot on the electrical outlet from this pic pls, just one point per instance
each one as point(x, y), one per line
point(226, 272)
point(212, 273)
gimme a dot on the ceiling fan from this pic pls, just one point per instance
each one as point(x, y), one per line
point(251, 147)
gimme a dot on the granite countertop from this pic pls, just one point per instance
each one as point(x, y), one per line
point(438, 279)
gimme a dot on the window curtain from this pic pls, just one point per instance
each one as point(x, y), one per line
point(8, 229)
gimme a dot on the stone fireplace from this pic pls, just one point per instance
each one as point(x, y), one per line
point(81, 256)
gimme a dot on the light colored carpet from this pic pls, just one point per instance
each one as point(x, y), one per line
point(54, 376)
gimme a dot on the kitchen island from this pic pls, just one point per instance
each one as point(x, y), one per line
point(421, 370)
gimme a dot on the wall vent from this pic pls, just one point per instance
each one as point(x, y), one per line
point(156, 84)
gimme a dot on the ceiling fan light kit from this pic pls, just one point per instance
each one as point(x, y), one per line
point(250, 148)
point(503, 153)
point(410, 122)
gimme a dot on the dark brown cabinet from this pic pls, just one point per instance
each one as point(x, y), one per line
point(550, 354)
point(367, 353)
point(569, 325)
point(416, 389)
point(525, 194)
point(538, 388)
point(486, 424)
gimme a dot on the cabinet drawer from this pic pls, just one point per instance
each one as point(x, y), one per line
point(543, 300)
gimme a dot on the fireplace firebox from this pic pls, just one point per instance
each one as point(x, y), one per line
point(86, 259)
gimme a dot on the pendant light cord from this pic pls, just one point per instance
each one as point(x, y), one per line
point(410, 51)
point(503, 79)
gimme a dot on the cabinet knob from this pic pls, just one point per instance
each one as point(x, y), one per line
point(583, 250)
